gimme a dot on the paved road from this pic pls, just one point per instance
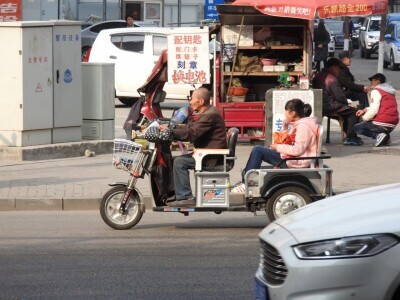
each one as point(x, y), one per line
point(65, 255)
point(363, 68)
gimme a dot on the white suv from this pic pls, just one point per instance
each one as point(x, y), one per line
point(369, 35)
point(134, 51)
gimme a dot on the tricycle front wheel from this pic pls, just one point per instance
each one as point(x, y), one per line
point(285, 200)
point(111, 214)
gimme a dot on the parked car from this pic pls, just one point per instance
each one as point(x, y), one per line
point(369, 35)
point(90, 31)
point(392, 46)
point(342, 247)
point(392, 42)
point(355, 37)
point(134, 51)
point(335, 28)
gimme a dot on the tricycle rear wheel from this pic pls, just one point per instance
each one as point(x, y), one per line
point(285, 200)
point(110, 213)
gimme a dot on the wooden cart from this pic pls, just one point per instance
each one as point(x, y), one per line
point(290, 42)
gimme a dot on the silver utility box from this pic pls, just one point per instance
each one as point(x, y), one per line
point(212, 189)
point(98, 129)
point(40, 82)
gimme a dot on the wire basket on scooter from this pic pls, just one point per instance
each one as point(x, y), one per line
point(127, 155)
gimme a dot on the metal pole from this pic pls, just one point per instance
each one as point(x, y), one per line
point(104, 10)
point(381, 42)
point(179, 12)
point(346, 32)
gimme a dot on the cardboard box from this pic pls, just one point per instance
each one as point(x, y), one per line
point(230, 35)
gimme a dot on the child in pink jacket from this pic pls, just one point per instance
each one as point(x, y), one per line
point(304, 128)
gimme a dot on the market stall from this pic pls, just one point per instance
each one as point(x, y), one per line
point(267, 46)
point(259, 52)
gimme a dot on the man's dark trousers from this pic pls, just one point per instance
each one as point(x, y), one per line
point(182, 165)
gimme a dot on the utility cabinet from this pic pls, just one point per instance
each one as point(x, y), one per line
point(98, 101)
point(67, 82)
point(40, 83)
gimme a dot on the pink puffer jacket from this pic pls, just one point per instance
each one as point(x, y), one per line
point(306, 142)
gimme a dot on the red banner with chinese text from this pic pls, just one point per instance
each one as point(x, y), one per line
point(10, 10)
point(310, 9)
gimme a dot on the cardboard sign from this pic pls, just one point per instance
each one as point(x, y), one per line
point(10, 10)
point(188, 57)
point(279, 99)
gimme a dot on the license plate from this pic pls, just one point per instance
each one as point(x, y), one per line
point(261, 291)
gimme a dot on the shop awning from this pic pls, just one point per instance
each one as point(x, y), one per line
point(310, 9)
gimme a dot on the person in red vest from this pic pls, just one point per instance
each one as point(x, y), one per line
point(382, 116)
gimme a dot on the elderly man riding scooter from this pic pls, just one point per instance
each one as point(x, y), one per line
point(207, 131)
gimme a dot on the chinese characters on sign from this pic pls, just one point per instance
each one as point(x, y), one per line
point(67, 38)
point(210, 9)
point(10, 10)
point(38, 59)
point(188, 58)
point(289, 11)
point(352, 9)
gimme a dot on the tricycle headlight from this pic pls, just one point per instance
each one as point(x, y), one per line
point(347, 247)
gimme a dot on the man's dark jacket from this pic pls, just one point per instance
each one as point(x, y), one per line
point(346, 80)
point(208, 131)
point(334, 99)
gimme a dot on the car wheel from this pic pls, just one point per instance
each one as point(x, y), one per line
point(385, 64)
point(393, 65)
point(128, 101)
point(285, 200)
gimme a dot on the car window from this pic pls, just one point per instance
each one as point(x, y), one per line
point(334, 27)
point(129, 42)
point(159, 44)
point(374, 25)
point(107, 25)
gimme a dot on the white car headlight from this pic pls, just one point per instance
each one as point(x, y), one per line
point(347, 247)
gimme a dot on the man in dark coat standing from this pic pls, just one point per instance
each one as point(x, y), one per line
point(207, 131)
point(321, 41)
point(353, 91)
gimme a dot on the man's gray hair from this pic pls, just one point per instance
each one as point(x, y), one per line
point(204, 94)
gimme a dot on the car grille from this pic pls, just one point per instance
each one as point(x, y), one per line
point(272, 265)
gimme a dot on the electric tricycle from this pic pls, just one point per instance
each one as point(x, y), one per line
point(275, 190)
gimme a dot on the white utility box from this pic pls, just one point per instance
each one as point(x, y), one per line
point(39, 105)
point(67, 81)
point(98, 101)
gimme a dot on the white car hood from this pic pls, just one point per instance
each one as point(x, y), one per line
point(366, 211)
point(375, 34)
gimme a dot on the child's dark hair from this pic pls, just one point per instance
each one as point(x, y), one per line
point(299, 107)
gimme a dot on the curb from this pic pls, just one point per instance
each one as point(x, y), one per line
point(58, 204)
point(53, 151)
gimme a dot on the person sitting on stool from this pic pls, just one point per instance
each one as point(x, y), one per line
point(353, 91)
